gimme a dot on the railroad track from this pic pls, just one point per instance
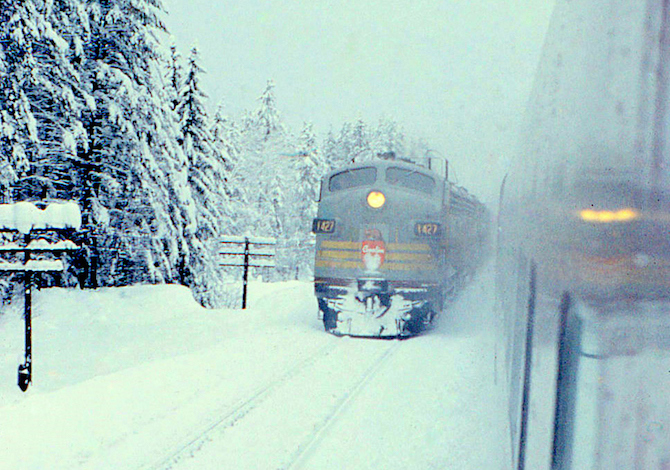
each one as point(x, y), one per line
point(305, 450)
point(294, 451)
point(229, 417)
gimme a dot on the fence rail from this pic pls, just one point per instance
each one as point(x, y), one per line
point(246, 252)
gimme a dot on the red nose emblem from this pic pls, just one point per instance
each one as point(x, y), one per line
point(372, 254)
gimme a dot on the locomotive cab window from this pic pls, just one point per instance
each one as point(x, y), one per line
point(410, 179)
point(352, 179)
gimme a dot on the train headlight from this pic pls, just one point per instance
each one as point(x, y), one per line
point(376, 199)
point(605, 217)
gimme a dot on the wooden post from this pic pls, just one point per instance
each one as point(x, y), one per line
point(247, 252)
point(25, 369)
point(245, 277)
point(93, 262)
point(9, 222)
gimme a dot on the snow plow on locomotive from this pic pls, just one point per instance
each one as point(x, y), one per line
point(393, 241)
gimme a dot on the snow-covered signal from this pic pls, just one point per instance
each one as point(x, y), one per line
point(27, 219)
point(26, 216)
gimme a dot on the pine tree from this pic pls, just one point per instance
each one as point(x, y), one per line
point(119, 172)
point(266, 120)
point(333, 156)
point(262, 170)
point(207, 175)
point(138, 203)
point(42, 98)
point(174, 76)
point(389, 138)
point(206, 165)
point(227, 138)
point(359, 146)
point(309, 167)
point(227, 141)
point(352, 145)
point(16, 131)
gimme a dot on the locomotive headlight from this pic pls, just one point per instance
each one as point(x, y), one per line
point(376, 199)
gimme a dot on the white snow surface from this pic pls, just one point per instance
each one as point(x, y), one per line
point(143, 377)
point(26, 216)
point(33, 265)
point(41, 245)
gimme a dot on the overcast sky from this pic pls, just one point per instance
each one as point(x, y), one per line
point(456, 73)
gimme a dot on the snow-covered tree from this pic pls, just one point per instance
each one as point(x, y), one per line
point(207, 161)
point(41, 98)
point(309, 166)
point(138, 203)
point(227, 137)
point(228, 142)
point(262, 171)
point(266, 120)
point(356, 139)
point(359, 142)
point(174, 76)
point(333, 155)
point(17, 130)
point(388, 138)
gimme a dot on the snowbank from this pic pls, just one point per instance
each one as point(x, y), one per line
point(124, 376)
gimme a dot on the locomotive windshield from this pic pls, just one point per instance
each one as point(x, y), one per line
point(411, 179)
point(352, 179)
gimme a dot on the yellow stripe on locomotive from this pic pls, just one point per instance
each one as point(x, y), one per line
point(399, 256)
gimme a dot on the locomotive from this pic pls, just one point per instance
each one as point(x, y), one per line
point(393, 241)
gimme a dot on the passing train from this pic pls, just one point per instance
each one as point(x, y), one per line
point(393, 241)
point(583, 246)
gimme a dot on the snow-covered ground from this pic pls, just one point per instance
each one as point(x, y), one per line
point(143, 377)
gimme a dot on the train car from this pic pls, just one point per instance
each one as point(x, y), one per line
point(393, 241)
point(583, 252)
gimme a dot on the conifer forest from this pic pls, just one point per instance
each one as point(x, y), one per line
point(98, 106)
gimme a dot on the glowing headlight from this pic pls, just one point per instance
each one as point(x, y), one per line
point(376, 199)
point(623, 215)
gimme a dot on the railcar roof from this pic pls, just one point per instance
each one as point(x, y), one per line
point(386, 164)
